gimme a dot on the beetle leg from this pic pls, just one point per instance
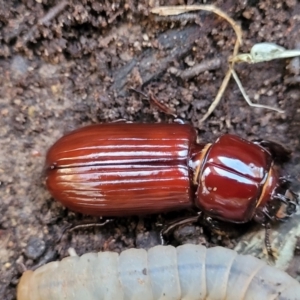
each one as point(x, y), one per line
point(82, 226)
point(266, 214)
point(222, 228)
point(180, 121)
point(172, 226)
point(121, 121)
point(282, 199)
point(72, 252)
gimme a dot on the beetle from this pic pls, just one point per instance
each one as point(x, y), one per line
point(189, 272)
point(119, 169)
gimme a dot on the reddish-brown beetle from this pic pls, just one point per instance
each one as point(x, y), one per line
point(122, 169)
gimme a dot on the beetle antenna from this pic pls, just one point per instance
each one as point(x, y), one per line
point(267, 241)
point(71, 228)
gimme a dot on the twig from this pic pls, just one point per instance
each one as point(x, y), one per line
point(207, 65)
point(51, 14)
point(222, 87)
point(175, 10)
point(246, 97)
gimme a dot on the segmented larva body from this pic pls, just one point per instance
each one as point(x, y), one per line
point(188, 272)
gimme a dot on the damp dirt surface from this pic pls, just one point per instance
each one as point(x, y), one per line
point(66, 64)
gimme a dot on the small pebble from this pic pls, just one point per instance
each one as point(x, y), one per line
point(147, 239)
point(35, 248)
point(19, 66)
point(7, 265)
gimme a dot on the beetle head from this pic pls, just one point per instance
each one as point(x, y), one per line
point(282, 202)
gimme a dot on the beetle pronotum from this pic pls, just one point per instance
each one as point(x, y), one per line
point(189, 272)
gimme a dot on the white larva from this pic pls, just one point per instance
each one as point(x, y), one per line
point(188, 272)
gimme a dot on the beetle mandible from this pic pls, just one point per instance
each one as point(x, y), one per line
point(119, 169)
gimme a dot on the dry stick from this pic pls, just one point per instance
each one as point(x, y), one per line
point(177, 223)
point(222, 87)
point(258, 55)
point(51, 14)
point(246, 97)
point(176, 10)
point(207, 65)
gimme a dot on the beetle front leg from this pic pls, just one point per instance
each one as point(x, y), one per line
point(222, 228)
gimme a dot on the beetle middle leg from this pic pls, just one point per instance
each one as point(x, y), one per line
point(214, 226)
point(168, 229)
point(223, 228)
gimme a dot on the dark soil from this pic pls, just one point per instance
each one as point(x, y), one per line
point(75, 66)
